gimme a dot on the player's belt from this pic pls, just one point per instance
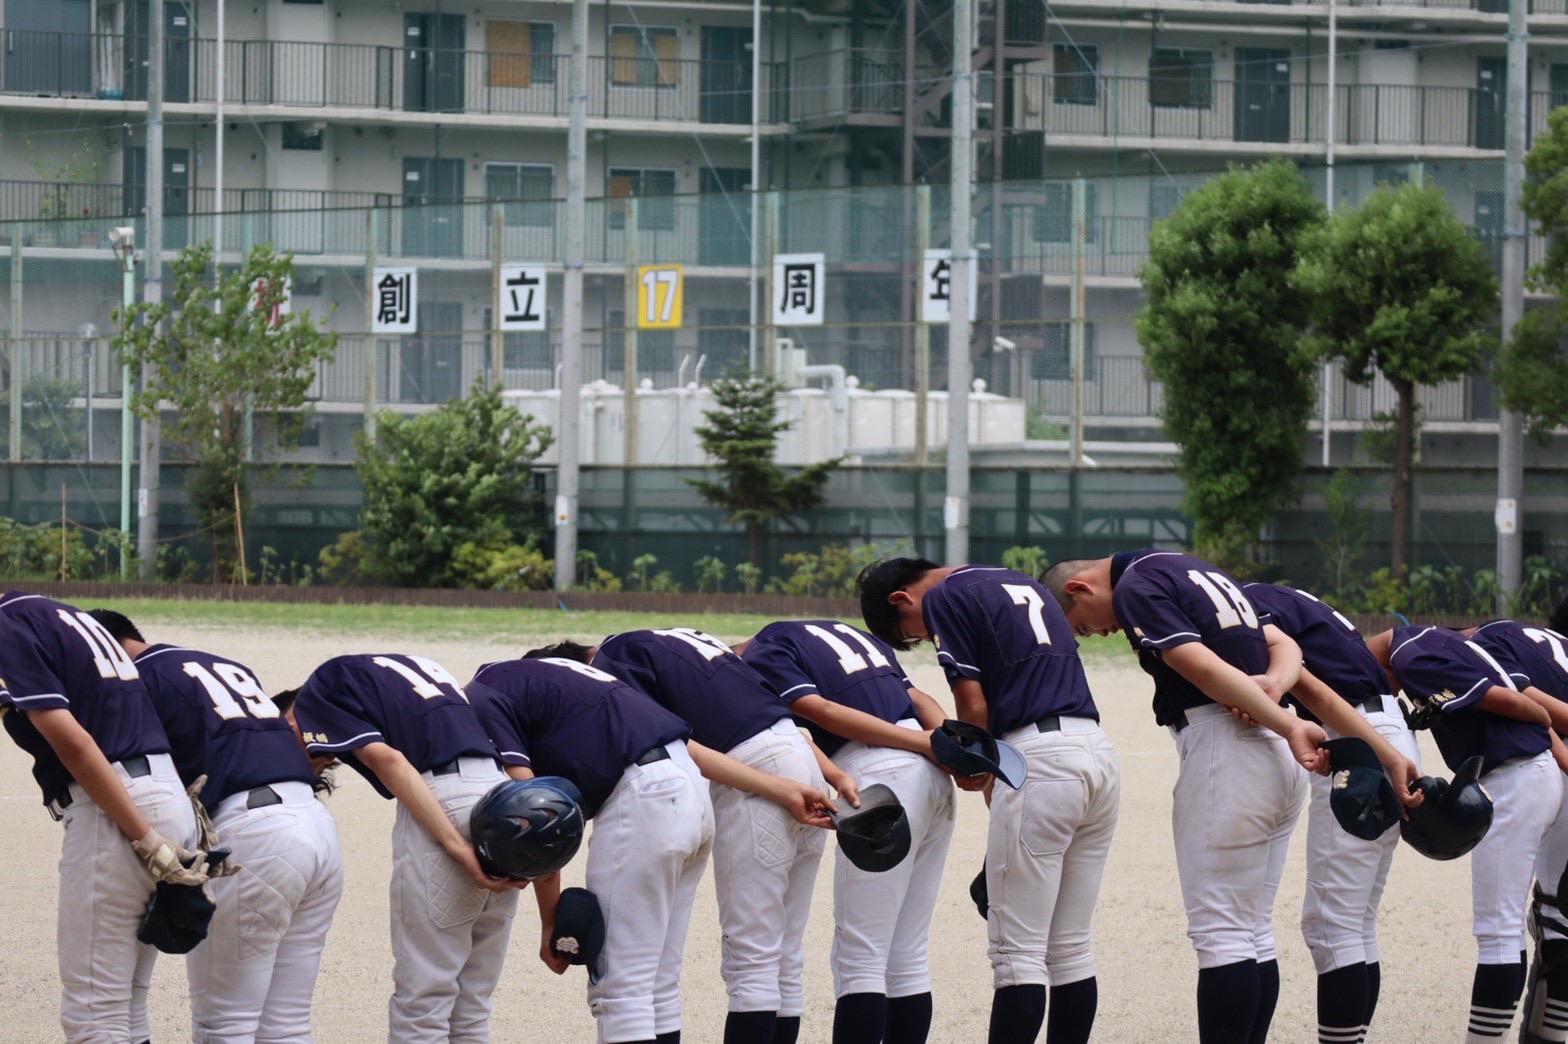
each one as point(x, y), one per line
point(261, 797)
point(447, 768)
point(1049, 723)
point(652, 755)
point(136, 766)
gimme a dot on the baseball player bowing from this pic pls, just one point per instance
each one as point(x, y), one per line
point(1238, 792)
point(866, 715)
point(653, 820)
point(1536, 659)
point(254, 977)
point(404, 724)
point(72, 699)
point(1473, 709)
point(1343, 687)
point(1013, 666)
point(764, 858)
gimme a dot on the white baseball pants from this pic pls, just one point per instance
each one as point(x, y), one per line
point(646, 854)
point(105, 973)
point(1345, 875)
point(448, 935)
point(1046, 852)
point(1526, 795)
point(1550, 863)
point(764, 869)
point(881, 921)
point(1236, 800)
point(253, 978)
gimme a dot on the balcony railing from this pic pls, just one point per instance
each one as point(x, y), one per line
point(365, 76)
point(848, 82)
point(1266, 113)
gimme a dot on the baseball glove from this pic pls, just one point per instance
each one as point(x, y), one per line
point(178, 914)
point(1422, 716)
point(207, 839)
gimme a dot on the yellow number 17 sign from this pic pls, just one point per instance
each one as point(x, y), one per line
point(660, 290)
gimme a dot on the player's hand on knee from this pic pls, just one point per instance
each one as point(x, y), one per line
point(167, 861)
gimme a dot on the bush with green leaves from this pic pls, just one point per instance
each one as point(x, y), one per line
point(1030, 561)
point(646, 576)
point(591, 576)
point(749, 576)
point(37, 553)
point(829, 573)
point(495, 564)
point(460, 474)
point(710, 573)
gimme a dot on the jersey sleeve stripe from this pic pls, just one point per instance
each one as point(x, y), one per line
point(1172, 637)
point(356, 741)
point(515, 757)
point(37, 697)
point(796, 688)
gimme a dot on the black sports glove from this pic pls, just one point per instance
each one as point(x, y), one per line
point(1422, 716)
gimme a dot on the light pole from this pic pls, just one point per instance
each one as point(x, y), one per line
point(122, 241)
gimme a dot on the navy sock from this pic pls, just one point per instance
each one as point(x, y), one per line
point(908, 1019)
point(1227, 1003)
point(1017, 1012)
point(1268, 997)
point(1374, 981)
point(786, 1030)
point(860, 1018)
point(1494, 993)
point(1070, 1015)
point(748, 1027)
point(1342, 1004)
point(672, 1037)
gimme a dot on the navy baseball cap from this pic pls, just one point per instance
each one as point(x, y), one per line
point(969, 750)
point(874, 837)
point(579, 930)
point(1360, 795)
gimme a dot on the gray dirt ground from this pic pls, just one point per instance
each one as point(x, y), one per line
point(1146, 969)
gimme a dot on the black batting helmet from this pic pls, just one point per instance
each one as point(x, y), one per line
point(1454, 817)
point(523, 829)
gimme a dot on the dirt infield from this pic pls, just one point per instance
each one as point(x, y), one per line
point(1147, 972)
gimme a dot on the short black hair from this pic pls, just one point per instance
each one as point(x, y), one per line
point(561, 651)
point(118, 625)
point(1055, 578)
point(285, 700)
point(879, 580)
point(1559, 619)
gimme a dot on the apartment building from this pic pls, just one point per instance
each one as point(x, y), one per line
point(418, 132)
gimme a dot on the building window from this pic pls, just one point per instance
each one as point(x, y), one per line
point(653, 189)
point(303, 136)
point(1163, 200)
point(1181, 79)
point(724, 337)
point(526, 189)
point(641, 56)
point(524, 349)
point(655, 348)
point(1073, 74)
point(1053, 219)
point(521, 54)
point(1054, 362)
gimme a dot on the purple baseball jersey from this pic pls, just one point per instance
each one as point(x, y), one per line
point(221, 723)
point(1164, 599)
point(563, 718)
point(835, 661)
point(410, 703)
point(1436, 665)
point(55, 656)
point(1533, 656)
point(1331, 647)
point(1002, 629)
point(698, 678)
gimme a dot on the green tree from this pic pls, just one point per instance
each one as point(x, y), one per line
point(741, 435)
point(458, 475)
point(213, 351)
point(1398, 287)
point(1532, 369)
point(1221, 329)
